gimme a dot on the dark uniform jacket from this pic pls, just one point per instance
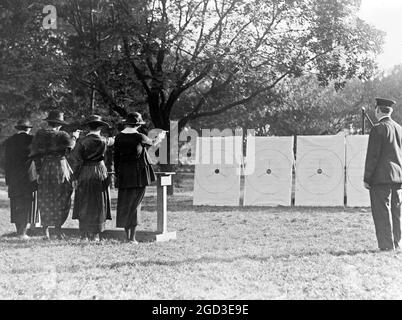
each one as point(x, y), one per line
point(131, 161)
point(18, 165)
point(384, 154)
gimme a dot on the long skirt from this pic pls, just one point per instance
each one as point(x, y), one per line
point(92, 198)
point(129, 207)
point(54, 191)
point(24, 209)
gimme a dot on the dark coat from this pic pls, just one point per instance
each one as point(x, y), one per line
point(89, 149)
point(131, 161)
point(384, 154)
point(92, 199)
point(18, 164)
point(49, 142)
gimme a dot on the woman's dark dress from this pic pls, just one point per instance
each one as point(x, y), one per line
point(21, 187)
point(133, 173)
point(92, 194)
point(49, 149)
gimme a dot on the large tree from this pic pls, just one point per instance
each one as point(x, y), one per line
point(182, 59)
point(187, 60)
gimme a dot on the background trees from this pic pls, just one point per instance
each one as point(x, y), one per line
point(187, 60)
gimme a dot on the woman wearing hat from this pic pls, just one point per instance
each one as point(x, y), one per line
point(49, 149)
point(133, 172)
point(21, 186)
point(92, 195)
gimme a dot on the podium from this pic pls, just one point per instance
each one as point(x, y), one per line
point(164, 179)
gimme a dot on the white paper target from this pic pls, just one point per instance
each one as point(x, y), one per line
point(320, 173)
point(271, 182)
point(356, 149)
point(217, 184)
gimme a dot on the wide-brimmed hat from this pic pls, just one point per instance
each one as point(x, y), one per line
point(23, 124)
point(134, 118)
point(55, 116)
point(96, 119)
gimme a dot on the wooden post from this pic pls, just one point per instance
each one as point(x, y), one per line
point(161, 209)
point(363, 121)
point(164, 180)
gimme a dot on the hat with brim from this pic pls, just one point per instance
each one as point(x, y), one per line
point(23, 124)
point(382, 102)
point(96, 120)
point(55, 117)
point(134, 118)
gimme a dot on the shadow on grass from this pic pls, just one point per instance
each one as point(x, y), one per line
point(203, 260)
point(72, 238)
point(208, 260)
point(185, 204)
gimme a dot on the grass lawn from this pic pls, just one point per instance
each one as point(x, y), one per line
point(220, 253)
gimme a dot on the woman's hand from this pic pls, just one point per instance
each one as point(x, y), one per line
point(76, 134)
point(159, 138)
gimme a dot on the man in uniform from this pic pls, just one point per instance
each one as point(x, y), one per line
point(20, 178)
point(383, 176)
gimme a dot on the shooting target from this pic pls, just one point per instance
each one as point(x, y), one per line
point(271, 182)
point(217, 184)
point(356, 149)
point(320, 171)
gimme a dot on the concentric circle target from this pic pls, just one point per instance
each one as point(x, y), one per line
point(320, 171)
point(216, 178)
point(271, 168)
point(355, 171)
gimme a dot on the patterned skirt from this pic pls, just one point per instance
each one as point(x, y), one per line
point(92, 198)
point(54, 191)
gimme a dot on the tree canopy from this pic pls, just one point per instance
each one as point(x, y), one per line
point(178, 59)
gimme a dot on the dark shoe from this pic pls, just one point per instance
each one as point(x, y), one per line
point(386, 249)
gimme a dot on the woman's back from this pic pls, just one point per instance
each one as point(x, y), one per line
point(132, 165)
point(92, 147)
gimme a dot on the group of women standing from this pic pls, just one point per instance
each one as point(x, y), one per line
point(66, 162)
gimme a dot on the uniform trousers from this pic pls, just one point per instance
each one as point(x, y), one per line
point(386, 209)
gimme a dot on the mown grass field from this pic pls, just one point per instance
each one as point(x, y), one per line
point(220, 253)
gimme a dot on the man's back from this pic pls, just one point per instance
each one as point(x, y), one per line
point(384, 154)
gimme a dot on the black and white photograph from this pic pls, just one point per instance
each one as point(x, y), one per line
point(200, 150)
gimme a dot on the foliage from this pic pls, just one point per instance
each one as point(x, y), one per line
point(303, 107)
point(388, 85)
point(29, 73)
point(185, 59)
point(309, 109)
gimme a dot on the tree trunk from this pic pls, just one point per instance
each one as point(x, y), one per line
point(169, 167)
point(162, 121)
